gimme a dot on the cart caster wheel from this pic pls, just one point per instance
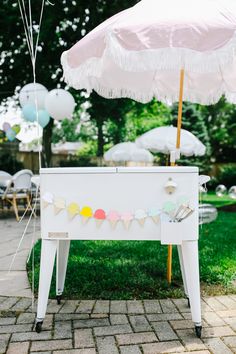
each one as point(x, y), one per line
point(188, 302)
point(38, 327)
point(198, 330)
point(58, 297)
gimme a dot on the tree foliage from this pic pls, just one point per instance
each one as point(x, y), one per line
point(220, 120)
point(111, 120)
point(63, 25)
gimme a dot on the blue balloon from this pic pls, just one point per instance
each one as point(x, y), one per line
point(43, 118)
point(29, 112)
point(10, 134)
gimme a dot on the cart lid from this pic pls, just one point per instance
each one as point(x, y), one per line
point(158, 169)
point(102, 170)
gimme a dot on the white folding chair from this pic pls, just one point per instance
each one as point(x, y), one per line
point(19, 187)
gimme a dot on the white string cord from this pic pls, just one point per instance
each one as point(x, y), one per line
point(22, 237)
point(28, 206)
point(25, 29)
point(34, 76)
point(31, 26)
point(33, 49)
point(40, 22)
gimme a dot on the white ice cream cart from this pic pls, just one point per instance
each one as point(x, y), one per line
point(119, 203)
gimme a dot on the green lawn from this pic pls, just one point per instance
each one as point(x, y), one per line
point(135, 269)
point(211, 198)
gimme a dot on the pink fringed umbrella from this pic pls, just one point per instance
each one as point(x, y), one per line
point(155, 48)
point(139, 52)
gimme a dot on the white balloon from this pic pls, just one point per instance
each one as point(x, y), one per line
point(60, 104)
point(27, 95)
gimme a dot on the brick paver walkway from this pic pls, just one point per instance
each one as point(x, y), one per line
point(118, 327)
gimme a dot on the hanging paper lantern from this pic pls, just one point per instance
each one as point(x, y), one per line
point(43, 118)
point(28, 93)
point(6, 126)
point(60, 104)
point(29, 112)
point(221, 190)
point(10, 134)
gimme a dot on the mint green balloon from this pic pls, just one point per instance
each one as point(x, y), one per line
point(43, 118)
point(29, 112)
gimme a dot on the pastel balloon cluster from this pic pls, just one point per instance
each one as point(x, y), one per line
point(9, 132)
point(38, 104)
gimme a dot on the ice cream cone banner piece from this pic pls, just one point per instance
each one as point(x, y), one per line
point(140, 215)
point(47, 199)
point(57, 209)
point(113, 223)
point(73, 210)
point(45, 204)
point(71, 216)
point(141, 221)
point(84, 220)
point(127, 224)
point(86, 213)
point(99, 222)
point(156, 219)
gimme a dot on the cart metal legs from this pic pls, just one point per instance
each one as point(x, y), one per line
point(62, 260)
point(188, 255)
point(183, 272)
point(48, 252)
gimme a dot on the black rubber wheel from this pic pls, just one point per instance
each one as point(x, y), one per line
point(58, 297)
point(188, 302)
point(198, 330)
point(38, 327)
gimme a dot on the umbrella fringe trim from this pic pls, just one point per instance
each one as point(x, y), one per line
point(170, 58)
point(87, 75)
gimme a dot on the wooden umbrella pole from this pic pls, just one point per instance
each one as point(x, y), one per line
point(180, 110)
point(179, 123)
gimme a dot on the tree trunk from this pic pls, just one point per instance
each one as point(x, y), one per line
point(100, 149)
point(47, 140)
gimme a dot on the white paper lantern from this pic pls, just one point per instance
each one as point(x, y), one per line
point(27, 95)
point(60, 104)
